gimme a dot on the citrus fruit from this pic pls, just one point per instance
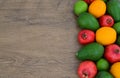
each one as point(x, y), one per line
point(106, 35)
point(79, 7)
point(97, 8)
point(115, 70)
point(104, 74)
point(102, 64)
point(116, 26)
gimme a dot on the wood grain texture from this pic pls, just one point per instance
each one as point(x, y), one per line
point(38, 39)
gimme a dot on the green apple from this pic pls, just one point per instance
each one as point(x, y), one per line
point(80, 6)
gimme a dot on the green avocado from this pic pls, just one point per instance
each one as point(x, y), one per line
point(118, 40)
point(87, 21)
point(116, 26)
point(104, 74)
point(93, 51)
point(105, 0)
point(113, 8)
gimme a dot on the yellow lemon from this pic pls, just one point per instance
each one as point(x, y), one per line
point(115, 70)
point(97, 8)
point(106, 35)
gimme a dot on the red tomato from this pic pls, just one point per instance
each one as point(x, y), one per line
point(88, 1)
point(86, 36)
point(106, 20)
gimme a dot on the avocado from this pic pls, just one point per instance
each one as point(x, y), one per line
point(113, 9)
point(87, 21)
point(105, 0)
point(93, 51)
point(118, 40)
point(104, 74)
point(116, 26)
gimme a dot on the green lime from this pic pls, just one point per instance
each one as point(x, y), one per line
point(102, 64)
point(80, 6)
point(116, 26)
point(104, 74)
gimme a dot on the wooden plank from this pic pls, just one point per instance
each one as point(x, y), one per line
point(38, 39)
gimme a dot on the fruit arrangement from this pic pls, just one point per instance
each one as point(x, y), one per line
point(99, 21)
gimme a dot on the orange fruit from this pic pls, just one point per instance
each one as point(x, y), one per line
point(97, 8)
point(115, 70)
point(106, 35)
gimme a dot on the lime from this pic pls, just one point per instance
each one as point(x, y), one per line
point(102, 64)
point(116, 26)
point(79, 7)
point(104, 74)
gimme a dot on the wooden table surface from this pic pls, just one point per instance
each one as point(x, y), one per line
point(38, 39)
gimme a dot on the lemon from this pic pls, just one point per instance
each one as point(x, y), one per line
point(106, 35)
point(115, 70)
point(97, 8)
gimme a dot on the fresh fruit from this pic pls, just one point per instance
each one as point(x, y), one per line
point(102, 64)
point(106, 20)
point(105, 0)
point(92, 51)
point(116, 26)
point(88, 21)
point(97, 8)
point(104, 74)
point(113, 8)
point(79, 7)
point(99, 21)
point(87, 69)
point(118, 40)
point(86, 36)
point(115, 70)
point(88, 1)
point(106, 35)
point(112, 53)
